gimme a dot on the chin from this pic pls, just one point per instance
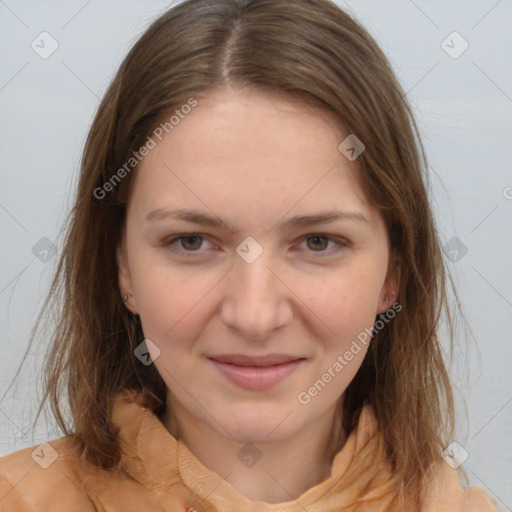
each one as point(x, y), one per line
point(259, 425)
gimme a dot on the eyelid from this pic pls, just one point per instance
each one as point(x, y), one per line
point(340, 241)
point(169, 242)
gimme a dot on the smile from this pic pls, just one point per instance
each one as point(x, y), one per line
point(255, 374)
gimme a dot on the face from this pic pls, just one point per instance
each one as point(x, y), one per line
point(249, 299)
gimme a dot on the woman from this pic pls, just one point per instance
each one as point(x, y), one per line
point(251, 284)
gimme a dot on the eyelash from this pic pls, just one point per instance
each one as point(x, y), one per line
point(168, 244)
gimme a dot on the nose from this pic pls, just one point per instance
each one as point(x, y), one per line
point(256, 300)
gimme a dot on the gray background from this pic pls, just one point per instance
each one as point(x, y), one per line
point(463, 103)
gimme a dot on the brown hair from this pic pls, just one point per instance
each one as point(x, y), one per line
point(309, 50)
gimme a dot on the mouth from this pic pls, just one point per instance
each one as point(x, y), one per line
point(256, 372)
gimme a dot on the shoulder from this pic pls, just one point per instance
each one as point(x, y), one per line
point(45, 477)
point(444, 492)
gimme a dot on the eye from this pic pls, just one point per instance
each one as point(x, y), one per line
point(186, 244)
point(189, 244)
point(319, 242)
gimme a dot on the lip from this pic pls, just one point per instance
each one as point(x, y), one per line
point(246, 360)
point(256, 372)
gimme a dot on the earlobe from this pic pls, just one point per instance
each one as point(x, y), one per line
point(389, 294)
point(124, 279)
point(387, 301)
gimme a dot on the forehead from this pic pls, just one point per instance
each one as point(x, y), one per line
point(252, 154)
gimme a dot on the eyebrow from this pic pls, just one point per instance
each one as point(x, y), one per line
point(207, 220)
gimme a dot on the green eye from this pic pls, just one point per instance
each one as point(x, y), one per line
point(319, 243)
point(188, 244)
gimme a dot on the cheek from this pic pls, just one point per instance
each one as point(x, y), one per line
point(170, 300)
point(346, 305)
point(346, 302)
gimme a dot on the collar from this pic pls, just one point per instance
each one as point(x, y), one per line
point(153, 457)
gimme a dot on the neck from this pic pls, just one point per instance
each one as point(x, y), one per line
point(287, 468)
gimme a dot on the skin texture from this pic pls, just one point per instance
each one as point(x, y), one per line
point(254, 159)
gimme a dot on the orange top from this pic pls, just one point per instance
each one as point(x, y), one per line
point(159, 473)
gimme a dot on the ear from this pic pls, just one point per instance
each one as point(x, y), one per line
point(124, 279)
point(389, 292)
